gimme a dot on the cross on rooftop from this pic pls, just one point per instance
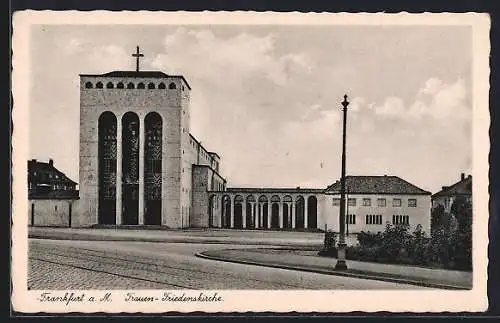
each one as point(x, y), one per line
point(137, 55)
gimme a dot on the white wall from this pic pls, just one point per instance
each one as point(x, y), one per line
point(54, 213)
point(421, 214)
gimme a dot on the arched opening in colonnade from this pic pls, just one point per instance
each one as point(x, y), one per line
point(287, 211)
point(275, 211)
point(299, 212)
point(107, 146)
point(250, 212)
point(226, 212)
point(312, 212)
point(263, 211)
point(238, 211)
point(212, 205)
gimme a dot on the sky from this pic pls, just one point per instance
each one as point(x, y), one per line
point(268, 98)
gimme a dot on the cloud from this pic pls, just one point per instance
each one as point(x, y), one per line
point(72, 46)
point(431, 87)
point(392, 107)
point(108, 57)
point(203, 54)
point(435, 100)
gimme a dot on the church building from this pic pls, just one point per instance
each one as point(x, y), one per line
point(139, 163)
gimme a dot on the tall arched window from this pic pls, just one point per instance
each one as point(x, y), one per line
point(120, 85)
point(130, 168)
point(151, 86)
point(140, 85)
point(89, 85)
point(107, 168)
point(98, 85)
point(110, 85)
point(130, 86)
point(152, 168)
point(172, 86)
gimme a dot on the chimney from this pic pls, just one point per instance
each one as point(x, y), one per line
point(33, 160)
point(444, 187)
point(462, 176)
point(51, 162)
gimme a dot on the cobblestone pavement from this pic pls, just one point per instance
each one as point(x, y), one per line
point(66, 264)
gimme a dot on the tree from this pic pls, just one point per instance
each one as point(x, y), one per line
point(461, 209)
point(440, 220)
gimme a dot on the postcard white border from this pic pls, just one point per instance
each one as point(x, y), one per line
point(259, 301)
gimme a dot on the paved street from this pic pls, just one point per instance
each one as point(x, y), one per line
point(64, 264)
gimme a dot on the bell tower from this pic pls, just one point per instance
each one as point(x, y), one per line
point(131, 133)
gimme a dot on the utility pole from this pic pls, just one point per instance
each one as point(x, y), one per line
point(341, 256)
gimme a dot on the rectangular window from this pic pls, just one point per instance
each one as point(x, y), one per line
point(367, 202)
point(412, 202)
point(400, 219)
point(396, 202)
point(351, 201)
point(336, 201)
point(381, 202)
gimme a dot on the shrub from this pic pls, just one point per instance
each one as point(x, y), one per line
point(368, 239)
point(330, 241)
point(448, 246)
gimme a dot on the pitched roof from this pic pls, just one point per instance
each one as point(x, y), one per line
point(145, 74)
point(463, 187)
point(37, 166)
point(377, 185)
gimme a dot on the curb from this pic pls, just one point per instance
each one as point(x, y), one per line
point(84, 237)
point(334, 273)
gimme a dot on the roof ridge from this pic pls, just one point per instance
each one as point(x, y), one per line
point(381, 184)
point(449, 188)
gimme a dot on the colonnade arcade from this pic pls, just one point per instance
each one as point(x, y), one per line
point(130, 168)
point(238, 210)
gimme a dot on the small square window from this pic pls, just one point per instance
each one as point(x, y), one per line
point(412, 202)
point(367, 202)
point(351, 202)
point(336, 201)
point(381, 202)
point(396, 202)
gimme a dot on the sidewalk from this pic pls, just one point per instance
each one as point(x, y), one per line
point(222, 236)
point(434, 278)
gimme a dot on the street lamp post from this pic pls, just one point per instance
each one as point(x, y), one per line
point(341, 256)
